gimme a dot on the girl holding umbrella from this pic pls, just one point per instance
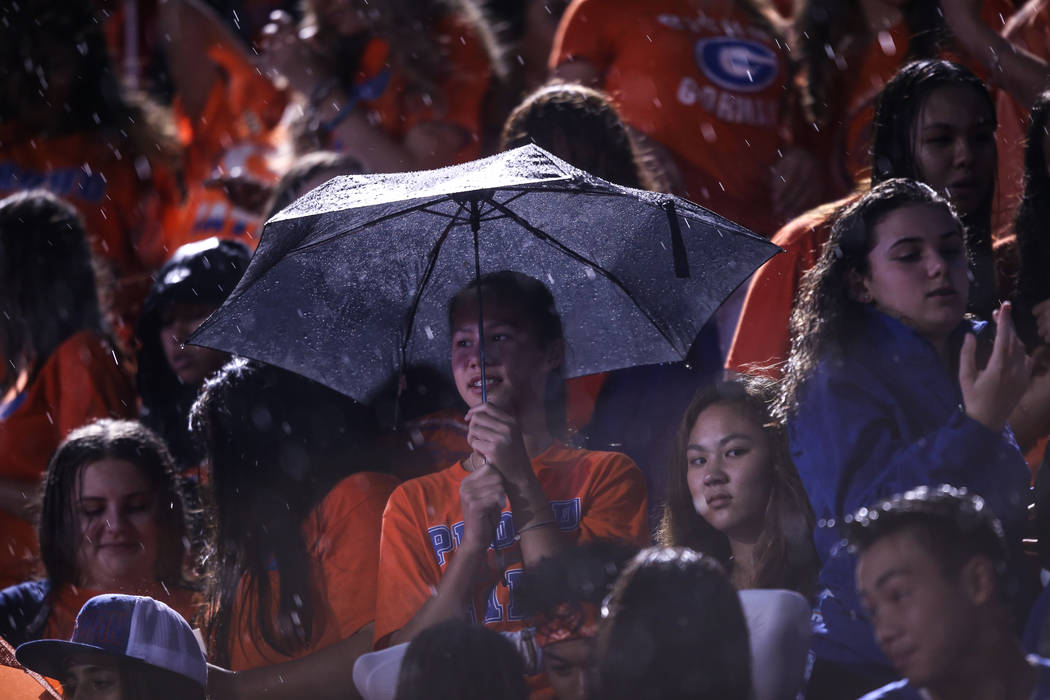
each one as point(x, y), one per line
point(467, 532)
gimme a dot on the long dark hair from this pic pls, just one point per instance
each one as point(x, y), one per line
point(581, 126)
point(826, 316)
point(108, 439)
point(276, 443)
point(204, 272)
point(784, 554)
point(673, 628)
point(1032, 224)
point(536, 304)
point(459, 660)
point(823, 25)
point(48, 280)
point(893, 155)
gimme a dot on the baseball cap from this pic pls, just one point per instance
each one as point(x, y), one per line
point(125, 626)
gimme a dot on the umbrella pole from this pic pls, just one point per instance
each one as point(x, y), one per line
point(475, 226)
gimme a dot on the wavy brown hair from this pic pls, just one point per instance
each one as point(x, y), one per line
point(826, 317)
point(784, 555)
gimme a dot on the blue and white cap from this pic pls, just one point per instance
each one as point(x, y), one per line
point(127, 626)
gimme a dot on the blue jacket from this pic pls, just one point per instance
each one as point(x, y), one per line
point(903, 690)
point(886, 417)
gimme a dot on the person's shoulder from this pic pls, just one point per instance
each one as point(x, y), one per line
point(560, 453)
point(898, 690)
point(22, 593)
point(84, 341)
point(358, 488)
point(811, 227)
point(423, 489)
point(590, 465)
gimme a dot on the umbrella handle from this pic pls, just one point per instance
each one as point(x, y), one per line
point(475, 226)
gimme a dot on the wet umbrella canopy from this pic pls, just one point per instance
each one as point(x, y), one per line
point(353, 280)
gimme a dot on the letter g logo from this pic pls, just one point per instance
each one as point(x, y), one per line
point(737, 64)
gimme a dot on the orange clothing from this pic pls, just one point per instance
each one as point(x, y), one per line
point(67, 601)
point(428, 444)
point(19, 683)
point(706, 80)
point(460, 93)
point(118, 194)
point(594, 495)
point(1029, 29)
point(342, 538)
point(866, 72)
point(237, 133)
point(763, 338)
point(79, 382)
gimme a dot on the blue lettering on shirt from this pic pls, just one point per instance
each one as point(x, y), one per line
point(446, 538)
point(64, 182)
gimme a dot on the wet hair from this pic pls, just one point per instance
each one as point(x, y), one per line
point(784, 554)
point(897, 115)
point(457, 660)
point(1033, 240)
point(305, 169)
point(899, 108)
point(535, 303)
point(581, 126)
point(276, 443)
point(584, 573)
point(951, 524)
point(673, 628)
point(126, 440)
point(823, 24)
point(826, 316)
point(48, 280)
point(204, 272)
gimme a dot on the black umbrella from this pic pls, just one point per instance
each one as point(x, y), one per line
point(353, 280)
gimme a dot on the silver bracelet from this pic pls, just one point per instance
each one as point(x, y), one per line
point(531, 526)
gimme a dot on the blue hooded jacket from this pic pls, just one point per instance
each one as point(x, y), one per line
point(884, 417)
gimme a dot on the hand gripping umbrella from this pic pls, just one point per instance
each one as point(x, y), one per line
point(352, 281)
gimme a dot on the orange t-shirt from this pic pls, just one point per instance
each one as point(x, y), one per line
point(238, 132)
point(79, 382)
point(120, 197)
point(342, 538)
point(68, 600)
point(460, 93)
point(594, 495)
point(705, 80)
point(1029, 29)
point(763, 337)
point(867, 72)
